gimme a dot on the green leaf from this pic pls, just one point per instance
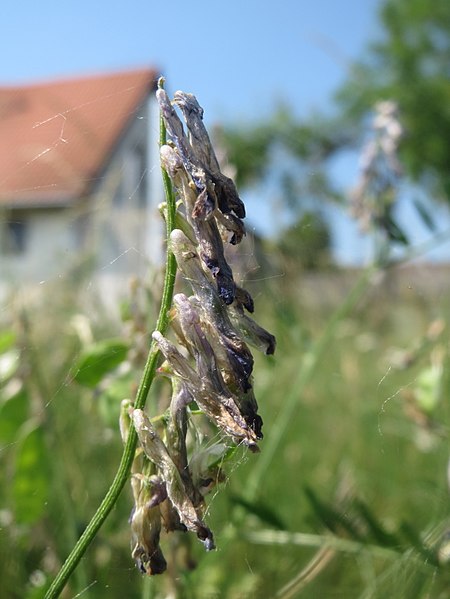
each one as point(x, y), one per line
point(425, 215)
point(7, 340)
point(9, 363)
point(376, 529)
point(331, 518)
point(394, 232)
point(96, 361)
point(13, 413)
point(30, 486)
point(261, 510)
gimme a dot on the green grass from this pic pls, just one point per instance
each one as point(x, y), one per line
point(349, 449)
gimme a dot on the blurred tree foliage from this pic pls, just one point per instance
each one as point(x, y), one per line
point(410, 66)
point(289, 158)
point(307, 241)
point(250, 148)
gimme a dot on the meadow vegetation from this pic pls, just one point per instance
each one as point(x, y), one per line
point(353, 502)
point(349, 496)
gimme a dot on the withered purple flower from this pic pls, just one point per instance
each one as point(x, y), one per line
point(149, 492)
point(205, 191)
point(214, 311)
point(157, 453)
point(220, 408)
point(211, 368)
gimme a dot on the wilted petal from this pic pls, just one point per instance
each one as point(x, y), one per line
point(199, 138)
point(176, 436)
point(249, 409)
point(203, 207)
point(170, 160)
point(199, 208)
point(174, 127)
point(233, 229)
point(238, 354)
point(194, 333)
point(211, 252)
point(220, 408)
point(243, 298)
point(241, 406)
point(156, 451)
point(227, 197)
point(251, 331)
point(179, 364)
point(145, 532)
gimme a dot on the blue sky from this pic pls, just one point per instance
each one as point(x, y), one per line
point(240, 58)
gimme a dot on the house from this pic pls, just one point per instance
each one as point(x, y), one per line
point(78, 171)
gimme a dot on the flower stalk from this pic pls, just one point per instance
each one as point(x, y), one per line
point(210, 366)
point(148, 375)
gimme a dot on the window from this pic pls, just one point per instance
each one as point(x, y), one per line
point(15, 233)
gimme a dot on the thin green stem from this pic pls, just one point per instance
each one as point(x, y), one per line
point(148, 375)
point(282, 537)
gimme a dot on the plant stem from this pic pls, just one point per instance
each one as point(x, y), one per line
point(282, 537)
point(148, 375)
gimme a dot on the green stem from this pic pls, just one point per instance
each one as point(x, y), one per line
point(148, 375)
point(310, 363)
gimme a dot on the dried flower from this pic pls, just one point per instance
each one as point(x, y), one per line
point(212, 365)
point(373, 197)
point(157, 452)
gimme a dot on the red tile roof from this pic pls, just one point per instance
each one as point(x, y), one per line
point(56, 137)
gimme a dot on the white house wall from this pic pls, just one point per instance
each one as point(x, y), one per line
point(127, 226)
point(119, 224)
point(50, 241)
